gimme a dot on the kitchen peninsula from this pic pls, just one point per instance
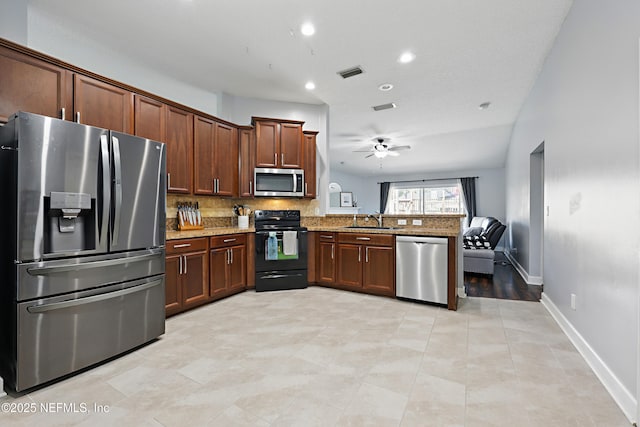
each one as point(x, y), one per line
point(331, 238)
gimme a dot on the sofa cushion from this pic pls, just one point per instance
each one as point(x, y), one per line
point(476, 242)
point(474, 231)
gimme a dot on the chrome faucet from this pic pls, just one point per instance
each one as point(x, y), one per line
point(377, 218)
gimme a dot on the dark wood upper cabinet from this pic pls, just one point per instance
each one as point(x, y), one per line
point(291, 141)
point(310, 164)
point(247, 147)
point(203, 146)
point(267, 144)
point(29, 84)
point(278, 143)
point(179, 140)
point(100, 104)
point(226, 160)
point(216, 158)
point(150, 118)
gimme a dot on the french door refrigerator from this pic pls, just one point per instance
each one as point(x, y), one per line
point(82, 258)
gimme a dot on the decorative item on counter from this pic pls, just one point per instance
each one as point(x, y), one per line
point(189, 216)
point(243, 213)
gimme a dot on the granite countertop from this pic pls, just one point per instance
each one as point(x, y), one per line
point(207, 232)
point(217, 231)
point(408, 231)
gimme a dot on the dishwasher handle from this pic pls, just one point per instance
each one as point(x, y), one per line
point(422, 240)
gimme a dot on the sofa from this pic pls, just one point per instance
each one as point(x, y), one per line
point(479, 242)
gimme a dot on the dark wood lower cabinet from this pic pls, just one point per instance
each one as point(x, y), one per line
point(364, 263)
point(228, 265)
point(186, 275)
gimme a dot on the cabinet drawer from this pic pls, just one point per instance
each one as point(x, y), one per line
point(326, 237)
point(186, 245)
point(366, 239)
point(228, 240)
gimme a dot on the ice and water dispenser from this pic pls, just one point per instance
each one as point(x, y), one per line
point(71, 222)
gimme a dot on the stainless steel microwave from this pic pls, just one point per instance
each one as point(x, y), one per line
point(279, 182)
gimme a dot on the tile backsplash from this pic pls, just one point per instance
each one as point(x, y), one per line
point(218, 211)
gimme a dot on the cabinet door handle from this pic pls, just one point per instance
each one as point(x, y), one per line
point(332, 246)
point(229, 240)
point(306, 191)
point(359, 250)
point(363, 238)
point(62, 113)
point(366, 254)
point(185, 264)
point(180, 265)
point(281, 159)
point(231, 253)
point(275, 159)
point(250, 187)
point(168, 180)
point(77, 116)
point(323, 236)
point(184, 245)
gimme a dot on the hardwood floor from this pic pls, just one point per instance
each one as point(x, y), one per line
point(506, 283)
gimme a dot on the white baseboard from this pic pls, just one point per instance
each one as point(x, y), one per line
point(623, 397)
point(531, 280)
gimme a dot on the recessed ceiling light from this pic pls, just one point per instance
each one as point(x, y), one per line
point(385, 87)
point(406, 57)
point(484, 105)
point(307, 29)
point(310, 86)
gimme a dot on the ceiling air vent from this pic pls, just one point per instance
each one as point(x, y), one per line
point(351, 72)
point(384, 106)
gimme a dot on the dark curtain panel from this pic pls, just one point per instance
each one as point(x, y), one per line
point(384, 195)
point(469, 192)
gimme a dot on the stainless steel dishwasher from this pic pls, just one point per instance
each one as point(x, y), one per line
point(421, 268)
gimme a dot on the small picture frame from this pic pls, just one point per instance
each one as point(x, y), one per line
point(346, 199)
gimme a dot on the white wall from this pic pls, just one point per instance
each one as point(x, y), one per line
point(584, 106)
point(13, 21)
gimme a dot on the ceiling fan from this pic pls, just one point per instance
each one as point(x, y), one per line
point(382, 149)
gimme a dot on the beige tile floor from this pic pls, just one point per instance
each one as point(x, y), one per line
point(323, 357)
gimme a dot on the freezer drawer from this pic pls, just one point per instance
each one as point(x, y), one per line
point(48, 278)
point(60, 335)
point(421, 268)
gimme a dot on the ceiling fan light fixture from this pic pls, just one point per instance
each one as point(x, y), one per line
point(380, 154)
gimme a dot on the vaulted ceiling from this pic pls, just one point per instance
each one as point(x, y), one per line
point(467, 52)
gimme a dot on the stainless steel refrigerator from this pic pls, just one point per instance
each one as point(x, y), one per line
point(82, 258)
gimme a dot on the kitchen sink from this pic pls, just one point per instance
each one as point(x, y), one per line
point(371, 227)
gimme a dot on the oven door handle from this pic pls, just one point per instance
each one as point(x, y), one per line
point(95, 298)
point(279, 276)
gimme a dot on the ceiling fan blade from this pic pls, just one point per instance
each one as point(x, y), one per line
point(366, 157)
point(368, 150)
point(391, 153)
point(399, 147)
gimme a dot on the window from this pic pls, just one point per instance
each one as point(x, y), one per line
point(437, 197)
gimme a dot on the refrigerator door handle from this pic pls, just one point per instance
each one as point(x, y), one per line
point(95, 298)
point(106, 186)
point(43, 271)
point(117, 185)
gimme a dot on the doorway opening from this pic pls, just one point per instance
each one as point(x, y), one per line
point(537, 213)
